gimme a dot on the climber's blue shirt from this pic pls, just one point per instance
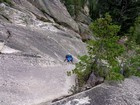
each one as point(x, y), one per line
point(69, 58)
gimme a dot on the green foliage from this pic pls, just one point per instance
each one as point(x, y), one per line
point(103, 27)
point(73, 6)
point(6, 1)
point(134, 31)
point(94, 9)
point(82, 69)
point(102, 52)
point(105, 47)
point(106, 57)
point(115, 76)
point(123, 12)
point(131, 60)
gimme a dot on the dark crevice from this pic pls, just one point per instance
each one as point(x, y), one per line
point(5, 17)
point(31, 55)
point(20, 54)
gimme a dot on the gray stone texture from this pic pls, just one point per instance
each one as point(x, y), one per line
point(46, 42)
point(81, 17)
point(29, 80)
point(32, 53)
point(58, 11)
point(125, 93)
point(24, 5)
point(85, 32)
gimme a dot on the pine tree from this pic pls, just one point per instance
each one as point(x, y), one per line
point(102, 52)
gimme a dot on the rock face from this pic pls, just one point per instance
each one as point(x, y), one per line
point(27, 7)
point(28, 34)
point(84, 31)
point(83, 18)
point(32, 52)
point(57, 10)
point(83, 22)
point(53, 44)
point(26, 79)
point(125, 93)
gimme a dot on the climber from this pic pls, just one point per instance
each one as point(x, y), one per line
point(69, 58)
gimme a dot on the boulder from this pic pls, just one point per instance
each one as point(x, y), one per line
point(92, 80)
point(99, 80)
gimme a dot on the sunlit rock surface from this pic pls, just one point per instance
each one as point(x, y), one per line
point(28, 80)
point(33, 49)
